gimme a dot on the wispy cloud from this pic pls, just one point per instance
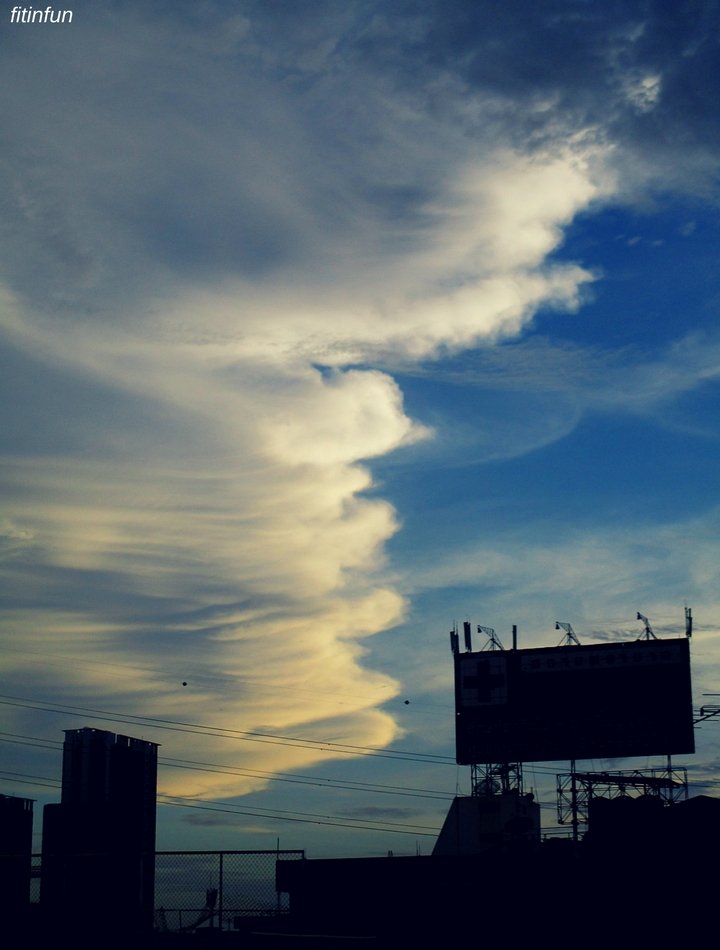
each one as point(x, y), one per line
point(223, 239)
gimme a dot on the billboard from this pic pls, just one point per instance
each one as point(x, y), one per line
point(607, 700)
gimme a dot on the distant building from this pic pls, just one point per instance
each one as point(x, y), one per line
point(98, 852)
point(16, 822)
point(477, 823)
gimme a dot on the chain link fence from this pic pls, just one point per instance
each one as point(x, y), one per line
point(207, 889)
point(210, 889)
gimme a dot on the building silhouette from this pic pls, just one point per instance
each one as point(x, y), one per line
point(98, 851)
point(16, 822)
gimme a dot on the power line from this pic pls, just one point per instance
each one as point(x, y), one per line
point(226, 733)
point(109, 668)
point(35, 742)
point(281, 814)
point(315, 781)
point(218, 768)
point(358, 824)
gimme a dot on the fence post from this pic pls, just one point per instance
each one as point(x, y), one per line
point(220, 891)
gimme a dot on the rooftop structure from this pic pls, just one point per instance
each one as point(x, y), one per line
point(99, 842)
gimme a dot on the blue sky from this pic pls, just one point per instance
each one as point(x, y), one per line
point(322, 326)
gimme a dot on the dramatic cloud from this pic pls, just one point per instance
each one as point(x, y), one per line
point(224, 237)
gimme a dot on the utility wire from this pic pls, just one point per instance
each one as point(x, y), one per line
point(222, 769)
point(316, 781)
point(225, 733)
point(281, 813)
point(359, 824)
point(318, 820)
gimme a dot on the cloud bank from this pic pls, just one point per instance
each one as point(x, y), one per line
point(221, 235)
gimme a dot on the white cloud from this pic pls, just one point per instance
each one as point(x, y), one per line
point(594, 576)
point(223, 240)
point(643, 91)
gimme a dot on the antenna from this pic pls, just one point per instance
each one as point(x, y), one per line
point(648, 634)
point(569, 634)
point(468, 636)
point(493, 640)
point(688, 622)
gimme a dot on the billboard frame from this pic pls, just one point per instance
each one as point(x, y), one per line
point(607, 700)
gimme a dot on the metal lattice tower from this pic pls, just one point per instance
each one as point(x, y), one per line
point(576, 790)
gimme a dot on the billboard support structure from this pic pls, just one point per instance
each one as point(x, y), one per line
point(615, 699)
point(490, 778)
point(497, 778)
point(576, 789)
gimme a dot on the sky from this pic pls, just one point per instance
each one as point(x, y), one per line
point(326, 325)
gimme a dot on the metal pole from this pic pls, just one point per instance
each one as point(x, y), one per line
point(573, 800)
point(220, 892)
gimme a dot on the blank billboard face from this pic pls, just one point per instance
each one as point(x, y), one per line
point(607, 700)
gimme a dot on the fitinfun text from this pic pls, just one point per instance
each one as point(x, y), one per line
point(48, 15)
